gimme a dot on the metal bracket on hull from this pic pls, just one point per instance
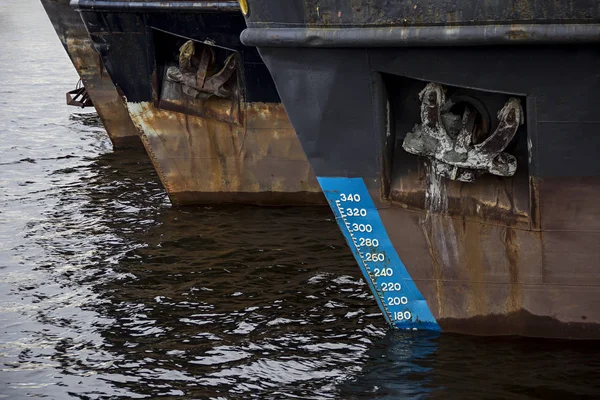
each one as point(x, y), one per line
point(79, 97)
point(449, 139)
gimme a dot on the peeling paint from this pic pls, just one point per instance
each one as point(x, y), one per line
point(202, 160)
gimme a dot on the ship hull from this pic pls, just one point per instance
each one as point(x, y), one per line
point(494, 279)
point(234, 147)
point(110, 107)
point(514, 255)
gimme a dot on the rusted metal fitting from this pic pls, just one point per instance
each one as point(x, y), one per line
point(193, 72)
point(450, 139)
point(79, 97)
point(243, 6)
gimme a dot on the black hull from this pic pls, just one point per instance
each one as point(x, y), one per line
point(232, 142)
point(500, 255)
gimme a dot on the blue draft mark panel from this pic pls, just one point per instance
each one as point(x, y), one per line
point(397, 295)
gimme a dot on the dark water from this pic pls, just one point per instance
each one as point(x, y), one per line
point(108, 292)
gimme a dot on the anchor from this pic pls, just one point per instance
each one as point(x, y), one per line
point(448, 138)
point(194, 72)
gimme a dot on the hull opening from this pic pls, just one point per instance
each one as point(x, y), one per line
point(428, 154)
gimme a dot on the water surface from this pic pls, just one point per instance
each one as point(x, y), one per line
point(106, 291)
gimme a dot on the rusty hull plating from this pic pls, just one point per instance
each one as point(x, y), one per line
point(207, 109)
point(110, 106)
point(514, 252)
point(202, 160)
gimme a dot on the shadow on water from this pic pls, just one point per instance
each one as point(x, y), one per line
point(446, 366)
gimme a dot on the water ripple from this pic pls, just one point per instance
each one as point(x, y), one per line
point(108, 292)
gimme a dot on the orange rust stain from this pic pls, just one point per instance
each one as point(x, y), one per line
point(474, 255)
point(478, 250)
point(534, 188)
point(511, 248)
point(490, 200)
point(518, 34)
point(437, 264)
point(472, 260)
point(216, 108)
point(204, 156)
point(156, 164)
point(110, 106)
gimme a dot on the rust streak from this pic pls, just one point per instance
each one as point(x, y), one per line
point(511, 248)
point(206, 160)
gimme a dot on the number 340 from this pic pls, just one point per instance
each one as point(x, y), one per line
point(350, 197)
